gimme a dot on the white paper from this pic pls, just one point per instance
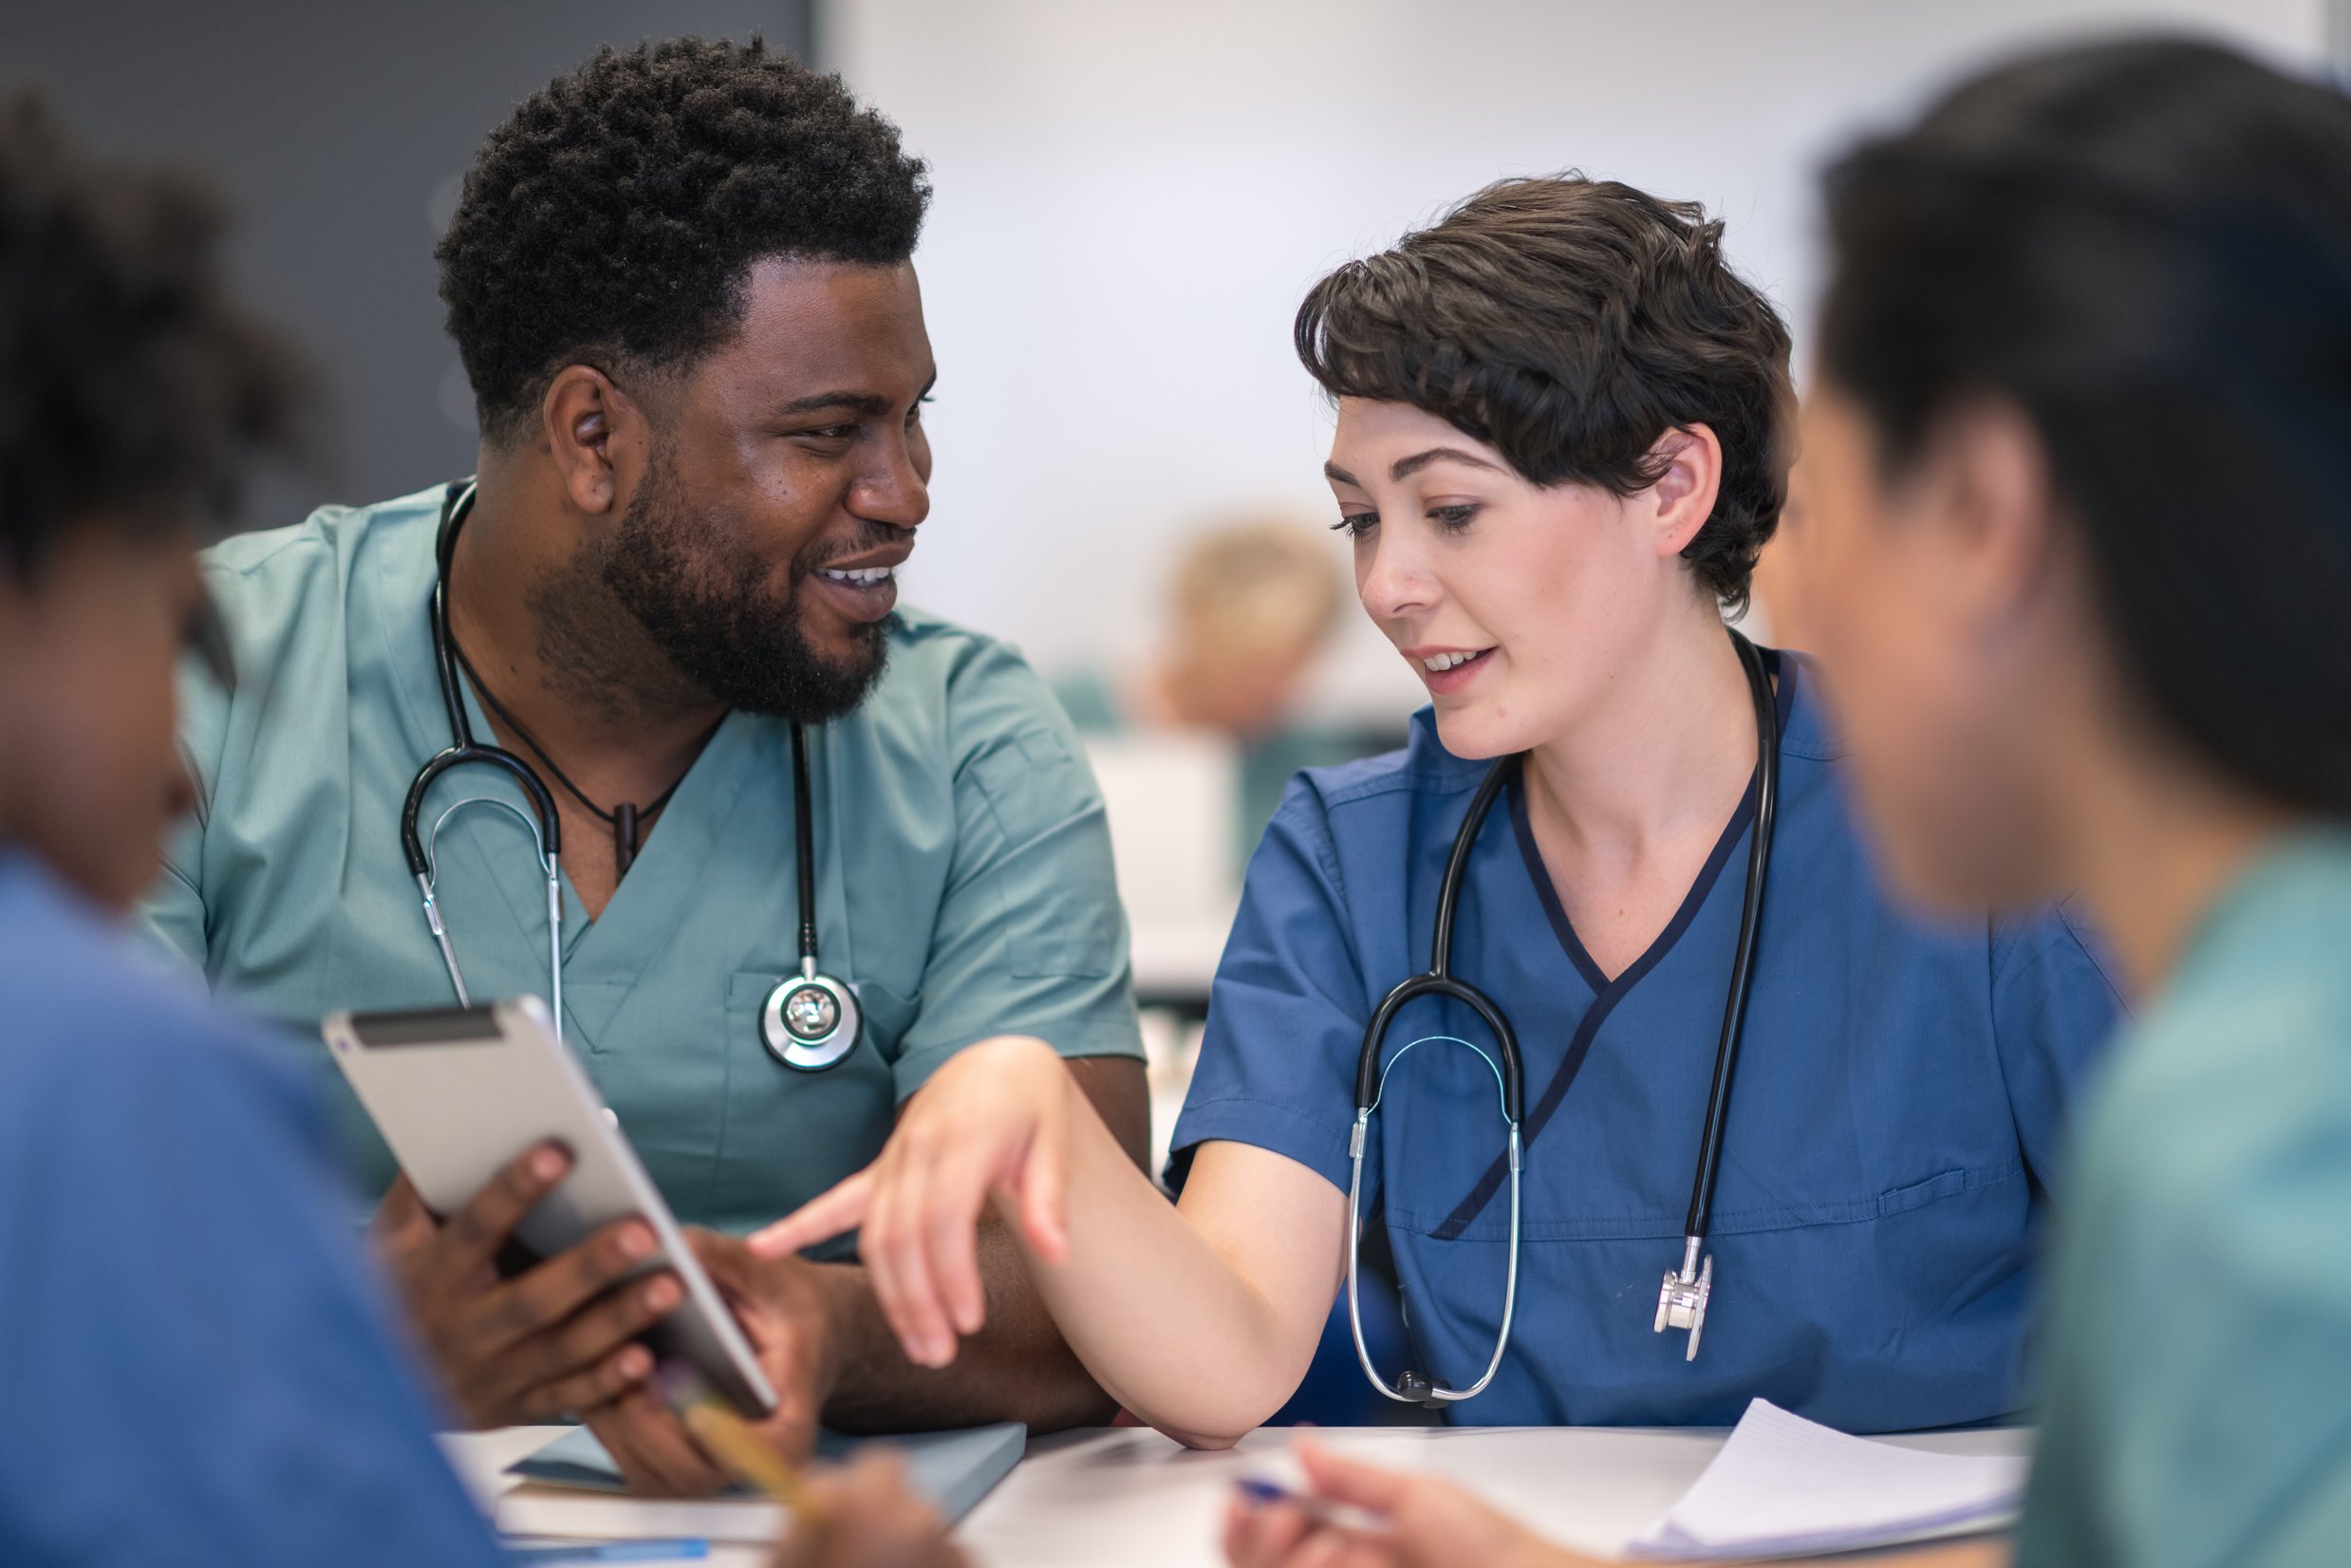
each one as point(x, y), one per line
point(1783, 1486)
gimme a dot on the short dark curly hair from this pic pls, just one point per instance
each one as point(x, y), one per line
point(1569, 322)
point(135, 390)
point(616, 215)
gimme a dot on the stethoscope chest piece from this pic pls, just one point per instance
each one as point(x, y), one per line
point(1682, 1299)
point(810, 1021)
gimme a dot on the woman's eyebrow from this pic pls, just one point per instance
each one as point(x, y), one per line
point(1404, 468)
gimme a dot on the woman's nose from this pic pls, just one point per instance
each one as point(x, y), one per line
point(1390, 581)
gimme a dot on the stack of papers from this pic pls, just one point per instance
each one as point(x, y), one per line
point(1784, 1486)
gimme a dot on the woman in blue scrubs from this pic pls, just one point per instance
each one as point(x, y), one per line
point(1561, 439)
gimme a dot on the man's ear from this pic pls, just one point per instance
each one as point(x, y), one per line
point(1690, 464)
point(1987, 482)
point(597, 435)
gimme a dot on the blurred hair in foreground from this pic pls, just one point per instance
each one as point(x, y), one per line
point(134, 388)
point(2146, 246)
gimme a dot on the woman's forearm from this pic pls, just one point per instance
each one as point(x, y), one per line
point(1171, 1324)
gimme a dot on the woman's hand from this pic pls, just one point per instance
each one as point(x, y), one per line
point(1431, 1523)
point(993, 1121)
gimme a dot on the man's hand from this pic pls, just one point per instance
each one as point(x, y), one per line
point(868, 1519)
point(555, 1340)
point(788, 1318)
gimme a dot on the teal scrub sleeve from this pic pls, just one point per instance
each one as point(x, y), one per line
point(1286, 1016)
point(2197, 1395)
point(2054, 1010)
point(173, 916)
point(1030, 937)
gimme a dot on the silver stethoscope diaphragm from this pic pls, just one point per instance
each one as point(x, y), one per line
point(809, 1021)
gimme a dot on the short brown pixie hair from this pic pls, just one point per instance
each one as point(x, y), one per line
point(1569, 322)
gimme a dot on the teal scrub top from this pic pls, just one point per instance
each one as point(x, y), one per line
point(2196, 1398)
point(964, 883)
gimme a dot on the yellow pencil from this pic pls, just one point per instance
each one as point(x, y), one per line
point(732, 1444)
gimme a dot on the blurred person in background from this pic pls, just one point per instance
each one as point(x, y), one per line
point(1561, 438)
point(2077, 469)
point(199, 1368)
point(1252, 605)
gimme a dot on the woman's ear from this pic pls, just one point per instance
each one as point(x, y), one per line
point(1688, 463)
point(597, 435)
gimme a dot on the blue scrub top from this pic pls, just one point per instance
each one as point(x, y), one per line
point(1898, 1110)
point(196, 1368)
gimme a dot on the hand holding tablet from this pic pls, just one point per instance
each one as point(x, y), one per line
point(466, 1099)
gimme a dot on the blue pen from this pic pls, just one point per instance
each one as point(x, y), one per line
point(1262, 1491)
point(610, 1551)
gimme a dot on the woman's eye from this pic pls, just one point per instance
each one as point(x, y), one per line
point(1356, 524)
point(914, 415)
point(1452, 516)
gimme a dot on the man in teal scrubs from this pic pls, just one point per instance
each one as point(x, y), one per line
point(679, 281)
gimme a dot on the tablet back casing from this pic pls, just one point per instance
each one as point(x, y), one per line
point(460, 1093)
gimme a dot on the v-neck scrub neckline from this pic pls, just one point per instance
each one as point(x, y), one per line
point(1900, 1102)
point(963, 872)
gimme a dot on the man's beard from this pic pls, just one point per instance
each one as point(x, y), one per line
point(702, 595)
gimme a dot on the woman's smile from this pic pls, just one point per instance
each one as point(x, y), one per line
point(1445, 671)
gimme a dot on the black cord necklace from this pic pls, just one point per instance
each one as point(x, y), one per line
point(622, 817)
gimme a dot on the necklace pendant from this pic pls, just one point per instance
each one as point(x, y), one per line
point(624, 837)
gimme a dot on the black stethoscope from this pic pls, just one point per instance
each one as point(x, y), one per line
point(809, 1021)
point(1682, 1298)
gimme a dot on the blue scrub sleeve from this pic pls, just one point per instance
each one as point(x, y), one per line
point(2054, 1010)
point(1286, 1014)
point(1030, 937)
point(197, 1367)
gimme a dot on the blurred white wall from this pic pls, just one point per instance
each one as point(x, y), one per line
point(1132, 198)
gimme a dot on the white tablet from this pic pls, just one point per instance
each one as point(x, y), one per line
point(458, 1093)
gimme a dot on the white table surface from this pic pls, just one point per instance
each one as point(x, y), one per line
point(1129, 1496)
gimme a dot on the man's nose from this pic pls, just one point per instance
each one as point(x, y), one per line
point(894, 490)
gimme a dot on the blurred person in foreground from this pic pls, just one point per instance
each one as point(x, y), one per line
point(1251, 607)
point(197, 1367)
point(2079, 470)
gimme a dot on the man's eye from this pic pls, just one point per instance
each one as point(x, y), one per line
point(1356, 524)
point(831, 433)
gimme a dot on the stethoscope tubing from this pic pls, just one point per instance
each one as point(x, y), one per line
point(800, 1052)
point(1438, 980)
